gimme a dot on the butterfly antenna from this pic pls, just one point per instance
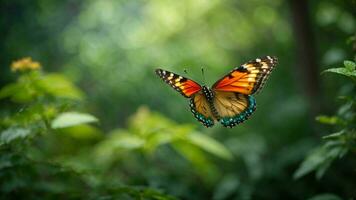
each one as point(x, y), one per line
point(186, 72)
point(202, 72)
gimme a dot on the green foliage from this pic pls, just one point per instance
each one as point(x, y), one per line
point(11, 134)
point(45, 117)
point(147, 131)
point(325, 197)
point(34, 85)
point(28, 166)
point(69, 119)
point(321, 158)
point(349, 69)
point(210, 145)
point(31, 139)
point(59, 86)
point(328, 120)
point(338, 144)
point(226, 187)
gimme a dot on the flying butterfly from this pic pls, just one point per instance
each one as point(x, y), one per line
point(230, 99)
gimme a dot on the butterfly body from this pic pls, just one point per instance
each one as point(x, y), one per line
point(229, 101)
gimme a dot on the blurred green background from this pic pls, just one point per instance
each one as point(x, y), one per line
point(146, 143)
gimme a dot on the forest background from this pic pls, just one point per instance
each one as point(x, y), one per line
point(84, 116)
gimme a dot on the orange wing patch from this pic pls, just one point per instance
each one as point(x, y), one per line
point(181, 84)
point(248, 78)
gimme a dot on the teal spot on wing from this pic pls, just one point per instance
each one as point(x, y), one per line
point(241, 117)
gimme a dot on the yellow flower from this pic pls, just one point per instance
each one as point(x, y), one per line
point(25, 64)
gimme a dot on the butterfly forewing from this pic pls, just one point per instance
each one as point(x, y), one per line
point(233, 108)
point(248, 78)
point(185, 86)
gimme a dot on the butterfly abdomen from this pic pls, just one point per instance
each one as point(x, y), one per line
point(209, 95)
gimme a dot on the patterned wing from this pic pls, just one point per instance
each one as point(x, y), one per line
point(233, 108)
point(201, 110)
point(183, 85)
point(248, 78)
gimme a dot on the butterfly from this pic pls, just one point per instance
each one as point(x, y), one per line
point(230, 99)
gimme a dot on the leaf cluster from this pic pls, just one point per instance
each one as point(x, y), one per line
point(338, 144)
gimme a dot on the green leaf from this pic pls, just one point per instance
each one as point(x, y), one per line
point(128, 141)
point(325, 197)
point(349, 65)
point(18, 92)
point(59, 86)
point(12, 134)
point(321, 158)
point(115, 145)
point(121, 139)
point(210, 145)
point(334, 135)
point(157, 139)
point(328, 120)
point(9, 90)
point(69, 119)
point(342, 71)
point(315, 159)
point(146, 122)
point(82, 132)
point(197, 157)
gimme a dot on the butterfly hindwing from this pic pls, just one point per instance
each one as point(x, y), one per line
point(248, 78)
point(185, 86)
point(201, 110)
point(233, 108)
